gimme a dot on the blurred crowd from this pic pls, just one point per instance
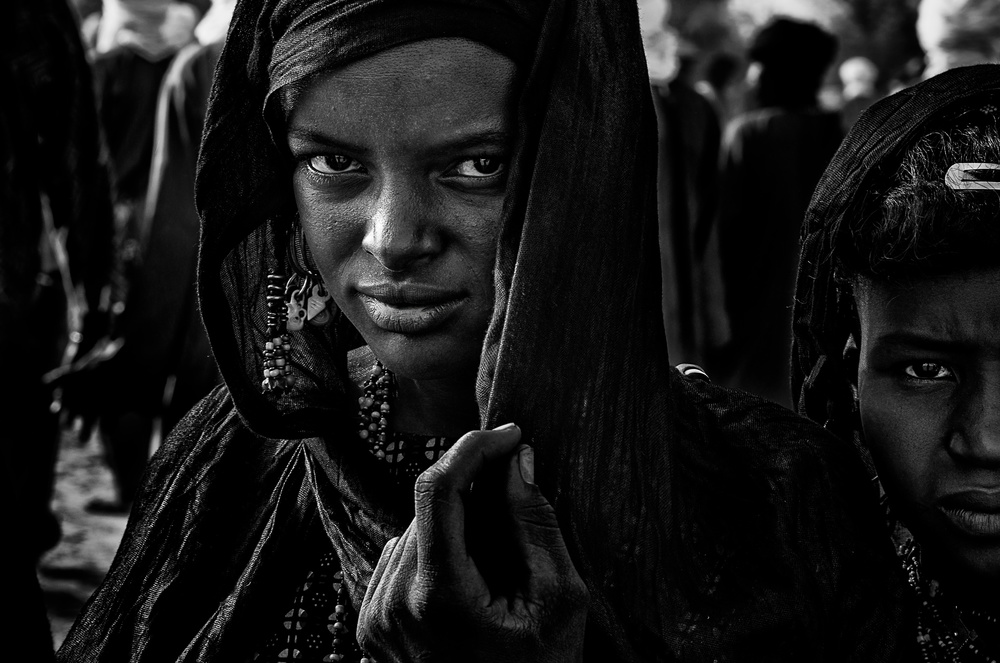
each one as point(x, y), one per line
point(747, 126)
point(99, 231)
point(98, 235)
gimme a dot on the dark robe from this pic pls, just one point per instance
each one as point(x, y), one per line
point(772, 159)
point(689, 135)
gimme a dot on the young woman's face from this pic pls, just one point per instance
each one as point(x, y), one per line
point(929, 392)
point(400, 181)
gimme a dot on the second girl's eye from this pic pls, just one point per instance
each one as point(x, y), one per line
point(480, 167)
point(929, 370)
point(333, 164)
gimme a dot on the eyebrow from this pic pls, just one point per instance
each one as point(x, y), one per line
point(319, 138)
point(920, 341)
point(484, 138)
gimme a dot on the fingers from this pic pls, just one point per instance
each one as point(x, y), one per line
point(379, 596)
point(538, 537)
point(535, 522)
point(440, 508)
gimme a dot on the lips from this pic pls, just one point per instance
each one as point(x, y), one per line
point(409, 308)
point(974, 512)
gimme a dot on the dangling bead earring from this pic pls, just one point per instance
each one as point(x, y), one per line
point(277, 372)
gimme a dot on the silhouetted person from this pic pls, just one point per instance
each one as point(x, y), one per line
point(773, 155)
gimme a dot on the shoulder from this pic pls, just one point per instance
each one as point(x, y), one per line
point(782, 483)
point(209, 439)
point(768, 437)
point(796, 519)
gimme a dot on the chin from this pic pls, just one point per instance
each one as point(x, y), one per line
point(972, 561)
point(426, 357)
point(982, 563)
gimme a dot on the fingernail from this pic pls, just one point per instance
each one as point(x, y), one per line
point(526, 463)
point(506, 427)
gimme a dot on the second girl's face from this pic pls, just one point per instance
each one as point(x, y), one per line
point(929, 394)
point(400, 183)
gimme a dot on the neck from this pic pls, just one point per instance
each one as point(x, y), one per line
point(440, 407)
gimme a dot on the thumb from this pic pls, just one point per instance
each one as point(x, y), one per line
point(552, 580)
point(536, 527)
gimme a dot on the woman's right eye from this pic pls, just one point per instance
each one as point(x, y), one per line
point(333, 164)
point(929, 370)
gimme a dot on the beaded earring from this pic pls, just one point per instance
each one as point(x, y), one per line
point(277, 372)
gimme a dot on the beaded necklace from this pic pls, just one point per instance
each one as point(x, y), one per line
point(946, 632)
point(322, 606)
point(406, 454)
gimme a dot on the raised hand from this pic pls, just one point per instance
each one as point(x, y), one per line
point(482, 573)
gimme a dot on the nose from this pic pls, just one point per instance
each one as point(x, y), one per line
point(401, 232)
point(976, 437)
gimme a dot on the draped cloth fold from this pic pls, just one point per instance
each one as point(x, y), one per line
point(706, 524)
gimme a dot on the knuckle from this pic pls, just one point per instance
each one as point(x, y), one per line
point(431, 483)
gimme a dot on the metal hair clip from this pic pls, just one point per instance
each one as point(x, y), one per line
point(973, 176)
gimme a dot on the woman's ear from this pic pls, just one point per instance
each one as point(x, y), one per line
point(851, 359)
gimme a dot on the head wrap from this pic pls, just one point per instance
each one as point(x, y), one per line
point(851, 190)
point(244, 176)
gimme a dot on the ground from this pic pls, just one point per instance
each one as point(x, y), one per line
point(71, 571)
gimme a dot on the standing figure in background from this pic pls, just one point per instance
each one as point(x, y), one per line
point(689, 133)
point(719, 83)
point(160, 323)
point(53, 196)
point(136, 42)
point(773, 155)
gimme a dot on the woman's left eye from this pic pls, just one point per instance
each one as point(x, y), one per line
point(929, 370)
point(333, 164)
point(480, 167)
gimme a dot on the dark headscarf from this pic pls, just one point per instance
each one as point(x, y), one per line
point(705, 523)
point(849, 195)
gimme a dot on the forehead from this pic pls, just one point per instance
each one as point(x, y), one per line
point(960, 307)
point(428, 86)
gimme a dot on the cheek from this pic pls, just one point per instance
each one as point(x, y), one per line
point(331, 230)
point(476, 226)
point(899, 432)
